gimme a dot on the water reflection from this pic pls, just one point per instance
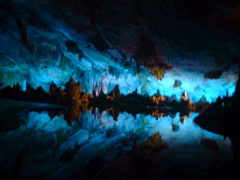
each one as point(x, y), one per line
point(97, 146)
point(71, 101)
point(108, 136)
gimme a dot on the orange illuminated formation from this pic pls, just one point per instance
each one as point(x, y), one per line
point(75, 101)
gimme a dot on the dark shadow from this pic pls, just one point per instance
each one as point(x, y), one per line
point(222, 117)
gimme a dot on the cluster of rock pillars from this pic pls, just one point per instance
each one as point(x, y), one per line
point(73, 101)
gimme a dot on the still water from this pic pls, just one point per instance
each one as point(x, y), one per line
point(96, 146)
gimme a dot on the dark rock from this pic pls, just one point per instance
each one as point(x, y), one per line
point(148, 56)
point(172, 115)
point(203, 99)
point(73, 48)
point(115, 93)
point(177, 83)
point(172, 98)
point(112, 131)
point(209, 144)
point(148, 151)
point(175, 127)
point(215, 74)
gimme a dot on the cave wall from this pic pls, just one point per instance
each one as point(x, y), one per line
point(102, 44)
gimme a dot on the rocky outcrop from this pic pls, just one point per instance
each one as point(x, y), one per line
point(148, 57)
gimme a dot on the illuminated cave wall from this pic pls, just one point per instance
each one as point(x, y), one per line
point(38, 47)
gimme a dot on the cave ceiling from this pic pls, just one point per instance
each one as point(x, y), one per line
point(195, 34)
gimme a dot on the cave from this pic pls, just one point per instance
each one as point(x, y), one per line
point(119, 89)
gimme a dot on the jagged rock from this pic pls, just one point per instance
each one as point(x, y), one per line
point(115, 92)
point(203, 99)
point(85, 97)
point(73, 90)
point(158, 100)
point(183, 119)
point(52, 89)
point(157, 72)
point(184, 96)
point(173, 98)
point(177, 83)
point(149, 149)
point(158, 93)
point(148, 57)
point(72, 114)
point(175, 127)
point(73, 48)
point(112, 131)
point(172, 115)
